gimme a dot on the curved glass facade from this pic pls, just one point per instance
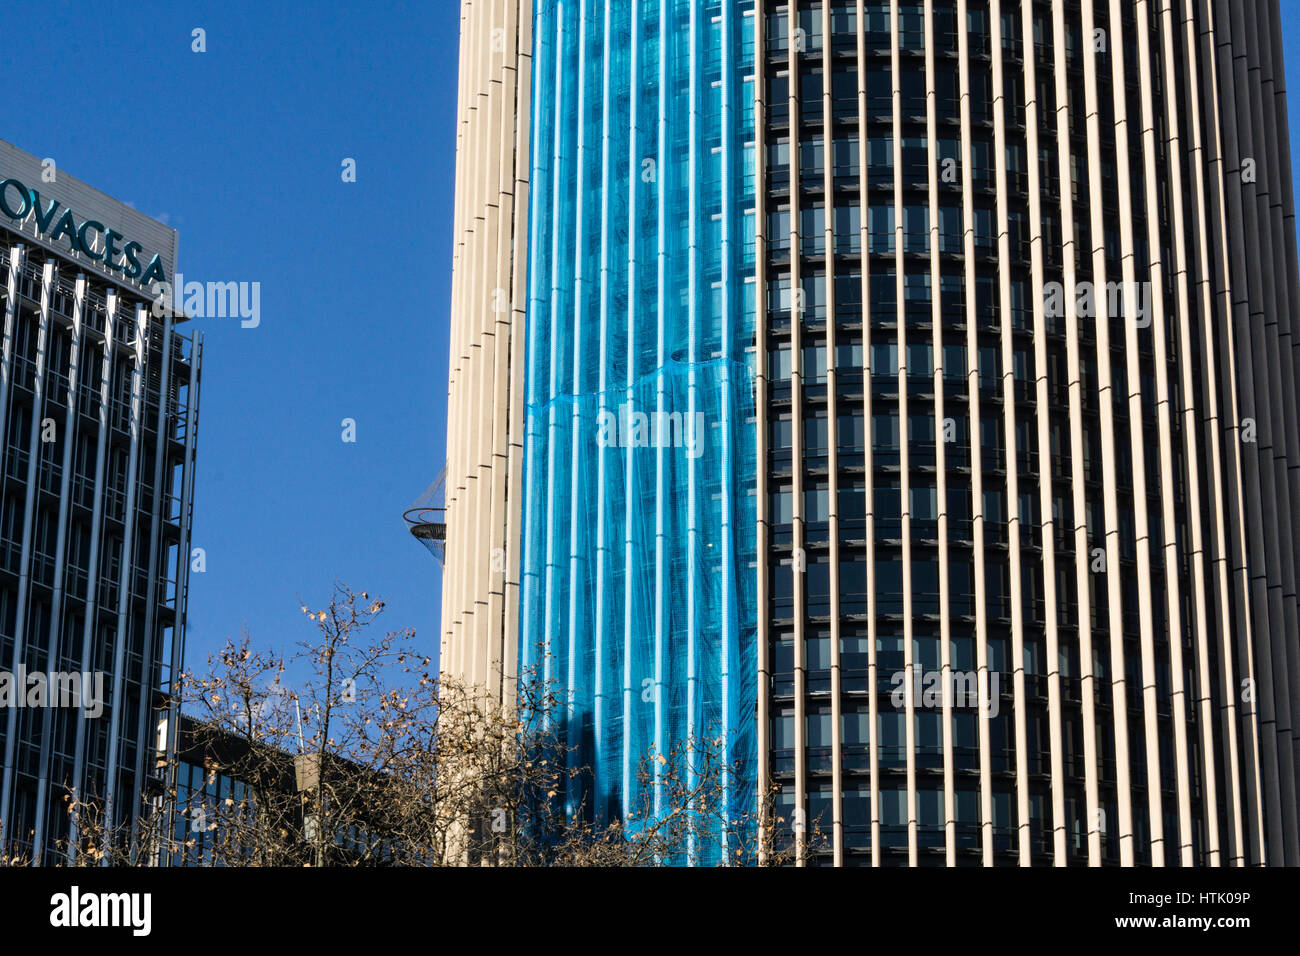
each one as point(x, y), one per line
point(1024, 599)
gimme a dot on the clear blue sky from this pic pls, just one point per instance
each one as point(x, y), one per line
point(239, 149)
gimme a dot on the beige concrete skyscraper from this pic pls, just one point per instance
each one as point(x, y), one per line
point(987, 553)
point(1028, 532)
point(480, 582)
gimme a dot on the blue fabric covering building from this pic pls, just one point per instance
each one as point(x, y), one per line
point(638, 598)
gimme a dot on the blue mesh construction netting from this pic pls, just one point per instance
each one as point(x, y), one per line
point(638, 590)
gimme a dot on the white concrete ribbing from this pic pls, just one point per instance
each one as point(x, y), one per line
point(1009, 450)
point(904, 437)
point(1046, 469)
point(1201, 598)
point(1173, 246)
point(873, 702)
point(498, 629)
point(457, 555)
point(518, 284)
point(1168, 522)
point(1158, 323)
point(491, 266)
point(940, 445)
point(1137, 439)
point(1164, 394)
point(1089, 690)
point(480, 593)
point(1106, 401)
point(976, 462)
point(460, 333)
point(452, 492)
point(482, 346)
point(832, 439)
point(1205, 374)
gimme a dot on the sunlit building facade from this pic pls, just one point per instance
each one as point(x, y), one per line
point(480, 585)
point(1027, 554)
point(99, 413)
point(986, 533)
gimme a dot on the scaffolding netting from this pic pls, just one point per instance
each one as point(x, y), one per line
point(638, 592)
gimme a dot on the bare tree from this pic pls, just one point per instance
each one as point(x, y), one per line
point(371, 760)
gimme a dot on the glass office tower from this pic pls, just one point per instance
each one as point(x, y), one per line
point(99, 413)
point(990, 536)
